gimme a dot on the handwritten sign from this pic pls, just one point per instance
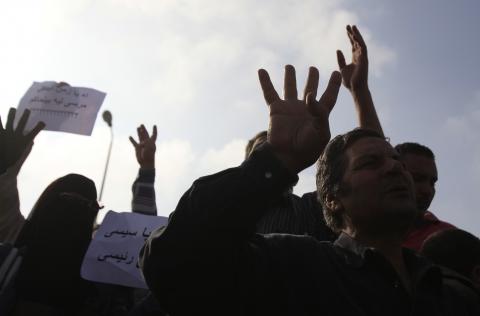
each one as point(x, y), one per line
point(112, 256)
point(62, 107)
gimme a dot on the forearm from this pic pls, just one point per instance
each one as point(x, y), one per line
point(367, 115)
point(143, 191)
point(197, 257)
point(11, 220)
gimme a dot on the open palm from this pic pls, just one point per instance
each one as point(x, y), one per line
point(355, 74)
point(145, 148)
point(299, 129)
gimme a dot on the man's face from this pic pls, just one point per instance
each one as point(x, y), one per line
point(424, 174)
point(377, 192)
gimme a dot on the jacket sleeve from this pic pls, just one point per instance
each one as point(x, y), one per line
point(11, 220)
point(143, 193)
point(207, 258)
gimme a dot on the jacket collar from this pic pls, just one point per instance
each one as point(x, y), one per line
point(358, 255)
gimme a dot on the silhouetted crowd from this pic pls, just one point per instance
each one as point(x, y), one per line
point(240, 242)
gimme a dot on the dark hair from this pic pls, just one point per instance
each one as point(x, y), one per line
point(414, 148)
point(455, 249)
point(331, 168)
point(251, 142)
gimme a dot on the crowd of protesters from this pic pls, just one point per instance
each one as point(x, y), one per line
point(364, 242)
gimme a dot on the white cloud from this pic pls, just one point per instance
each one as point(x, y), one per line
point(188, 66)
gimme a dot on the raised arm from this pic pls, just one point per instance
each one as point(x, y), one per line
point(15, 146)
point(143, 188)
point(355, 79)
point(208, 259)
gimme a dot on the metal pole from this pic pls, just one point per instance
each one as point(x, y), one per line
point(106, 164)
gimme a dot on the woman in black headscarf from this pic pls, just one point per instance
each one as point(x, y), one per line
point(55, 237)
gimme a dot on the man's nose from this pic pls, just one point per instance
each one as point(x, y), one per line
point(394, 166)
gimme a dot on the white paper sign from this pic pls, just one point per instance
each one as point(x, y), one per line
point(112, 256)
point(62, 108)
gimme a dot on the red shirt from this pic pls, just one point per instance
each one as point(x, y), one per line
point(430, 224)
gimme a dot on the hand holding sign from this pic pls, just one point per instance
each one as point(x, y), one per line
point(62, 107)
point(15, 144)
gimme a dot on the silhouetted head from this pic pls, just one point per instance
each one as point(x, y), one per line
point(455, 249)
point(420, 162)
point(256, 141)
point(56, 236)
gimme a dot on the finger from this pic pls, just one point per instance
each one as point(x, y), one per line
point(144, 132)
point(312, 83)
point(349, 34)
point(134, 143)
point(139, 133)
point(269, 92)
point(329, 97)
point(290, 84)
point(10, 119)
point(22, 122)
point(154, 133)
point(62, 83)
point(311, 104)
point(341, 60)
point(358, 37)
point(34, 132)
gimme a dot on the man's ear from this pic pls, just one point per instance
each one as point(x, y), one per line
point(333, 203)
point(476, 274)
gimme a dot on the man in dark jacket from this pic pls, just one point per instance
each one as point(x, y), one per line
point(209, 261)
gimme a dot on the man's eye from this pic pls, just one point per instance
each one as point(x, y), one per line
point(368, 163)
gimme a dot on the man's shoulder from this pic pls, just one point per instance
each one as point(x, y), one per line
point(461, 289)
point(430, 218)
point(295, 243)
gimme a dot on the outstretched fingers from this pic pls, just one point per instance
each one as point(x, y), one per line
point(22, 122)
point(357, 36)
point(10, 119)
point(144, 133)
point(139, 133)
point(329, 97)
point(290, 83)
point(269, 92)
point(154, 133)
point(311, 86)
point(134, 143)
point(341, 60)
point(34, 132)
point(350, 35)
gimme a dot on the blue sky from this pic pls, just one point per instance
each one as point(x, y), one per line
point(190, 67)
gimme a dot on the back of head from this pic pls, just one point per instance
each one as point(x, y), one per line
point(331, 168)
point(455, 249)
point(56, 236)
point(257, 140)
point(415, 149)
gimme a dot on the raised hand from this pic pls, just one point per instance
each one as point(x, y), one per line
point(299, 129)
point(145, 148)
point(15, 144)
point(355, 74)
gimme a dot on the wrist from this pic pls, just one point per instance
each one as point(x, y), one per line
point(360, 90)
point(147, 166)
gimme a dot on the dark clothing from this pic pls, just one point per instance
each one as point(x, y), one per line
point(56, 236)
point(428, 226)
point(297, 216)
point(143, 193)
point(208, 261)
